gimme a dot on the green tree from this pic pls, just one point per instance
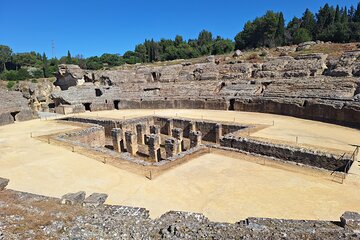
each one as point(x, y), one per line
point(45, 67)
point(261, 32)
point(280, 30)
point(308, 22)
point(178, 40)
point(337, 17)
point(140, 49)
point(5, 56)
point(93, 63)
point(301, 35)
point(111, 59)
point(131, 57)
point(69, 58)
point(204, 38)
point(222, 46)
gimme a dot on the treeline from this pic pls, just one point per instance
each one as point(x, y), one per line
point(165, 50)
point(21, 66)
point(328, 24)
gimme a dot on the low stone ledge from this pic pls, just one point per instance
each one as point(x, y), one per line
point(73, 198)
point(95, 200)
point(3, 183)
point(308, 157)
point(351, 221)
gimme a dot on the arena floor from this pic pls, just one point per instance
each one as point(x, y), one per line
point(224, 188)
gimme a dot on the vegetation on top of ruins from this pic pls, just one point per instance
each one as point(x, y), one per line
point(335, 24)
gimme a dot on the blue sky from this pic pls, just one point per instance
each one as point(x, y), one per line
point(94, 27)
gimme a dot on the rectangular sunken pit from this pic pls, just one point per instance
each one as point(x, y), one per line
point(150, 145)
point(146, 145)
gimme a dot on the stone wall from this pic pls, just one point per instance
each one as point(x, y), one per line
point(288, 153)
point(126, 125)
point(14, 107)
point(92, 136)
point(345, 113)
point(300, 86)
point(207, 128)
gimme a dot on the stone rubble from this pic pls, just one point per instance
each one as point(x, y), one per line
point(50, 219)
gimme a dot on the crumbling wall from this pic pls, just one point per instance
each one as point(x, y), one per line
point(93, 136)
point(303, 156)
point(207, 128)
point(337, 112)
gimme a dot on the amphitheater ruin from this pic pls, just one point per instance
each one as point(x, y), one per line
point(224, 137)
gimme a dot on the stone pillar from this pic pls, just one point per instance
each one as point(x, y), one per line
point(171, 147)
point(154, 147)
point(169, 126)
point(155, 129)
point(195, 138)
point(117, 139)
point(193, 126)
point(131, 142)
point(218, 133)
point(178, 134)
point(141, 131)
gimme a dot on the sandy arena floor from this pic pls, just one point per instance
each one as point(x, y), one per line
point(223, 188)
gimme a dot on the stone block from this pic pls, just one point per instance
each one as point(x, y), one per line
point(169, 126)
point(6, 118)
point(192, 126)
point(154, 147)
point(73, 198)
point(141, 130)
point(117, 138)
point(351, 221)
point(218, 133)
point(195, 138)
point(178, 134)
point(171, 147)
point(155, 129)
point(131, 142)
point(95, 200)
point(3, 183)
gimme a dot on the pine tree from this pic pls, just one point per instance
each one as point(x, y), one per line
point(45, 66)
point(280, 31)
point(337, 17)
point(345, 16)
point(357, 14)
point(68, 58)
point(308, 22)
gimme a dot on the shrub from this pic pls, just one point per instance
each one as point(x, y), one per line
point(263, 54)
point(254, 58)
point(10, 84)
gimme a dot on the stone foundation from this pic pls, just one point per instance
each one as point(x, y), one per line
point(195, 139)
point(153, 141)
point(118, 140)
point(131, 142)
point(288, 153)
